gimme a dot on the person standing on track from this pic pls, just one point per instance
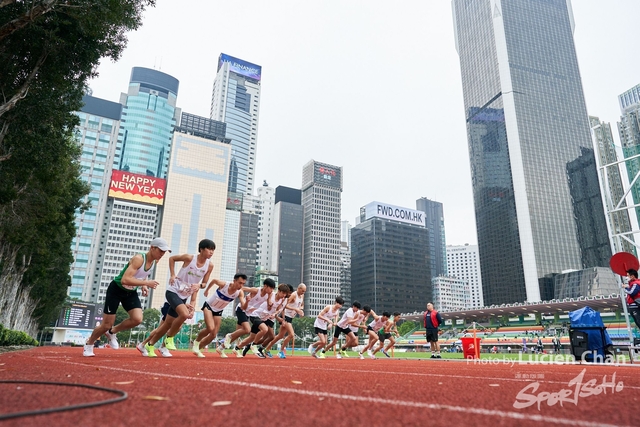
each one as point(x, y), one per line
point(294, 306)
point(213, 307)
point(328, 316)
point(255, 298)
point(193, 275)
point(432, 320)
point(632, 289)
point(123, 290)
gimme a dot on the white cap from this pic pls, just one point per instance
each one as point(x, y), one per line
point(160, 243)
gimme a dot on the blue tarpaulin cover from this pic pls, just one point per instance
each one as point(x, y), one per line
point(587, 317)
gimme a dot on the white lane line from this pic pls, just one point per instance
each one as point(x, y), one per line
point(373, 400)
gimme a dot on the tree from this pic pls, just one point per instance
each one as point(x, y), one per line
point(303, 327)
point(151, 318)
point(406, 327)
point(227, 326)
point(48, 51)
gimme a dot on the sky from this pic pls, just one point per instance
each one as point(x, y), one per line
point(372, 86)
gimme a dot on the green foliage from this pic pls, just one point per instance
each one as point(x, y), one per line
point(227, 326)
point(303, 326)
point(406, 327)
point(9, 337)
point(150, 318)
point(44, 68)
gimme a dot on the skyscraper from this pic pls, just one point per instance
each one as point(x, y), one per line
point(98, 134)
point(236, 101)
point(196, 194)
point(434, 217)
point(629, 130)
point(463, 263)
point(390, 266)
point(321, 200)
point(611, 184)
point(148, 118)
point(286, 248)
point(529, 137)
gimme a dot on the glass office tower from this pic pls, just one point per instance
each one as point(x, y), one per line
point(236, 101)
point(98, 134)
point(148, 118)
point(529, 137)
point(434, 216)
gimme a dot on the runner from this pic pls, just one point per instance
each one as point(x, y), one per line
point(262, 322)
point(349, 317)
point(355, 326)
point(122, 290)
point(328, 316)
point(163, 350)
point(372, 330)
point(390, 329)
point(193, 275)
point(212, 309)
point(294, 306)
point(255, 297)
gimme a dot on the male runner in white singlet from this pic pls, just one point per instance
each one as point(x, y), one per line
point(294, 306)
point(350, 317)
point(372, 330)
point(193, 275)
point(390, 330)
point(224, 294)
point(255, 297)
point(262, 321)
point(123, 290)
point(327, 317)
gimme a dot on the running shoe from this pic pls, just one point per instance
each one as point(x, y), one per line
point(87, 351)
point(438, 356)
point(196, 347)
point(142, 350)
point(113, 340)
point(221, 352)
point(245, 350)
point(369, 353)
point(281, 355)
point(338, 356)
point(199, 353)
point(165, 352)
point(315, 355)
point(433, 356)
point(168, 342)
point(373, 356)
point(237, 352)
point(361, 356)
point(319, 356)
point(151, 350)
point(260, 353)
point(254, 349)
point(344, 353)
point(267, 353)
point(227, 341)
point(310, 349)
point(385, 353)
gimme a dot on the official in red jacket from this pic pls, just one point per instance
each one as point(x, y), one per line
point(432, 320)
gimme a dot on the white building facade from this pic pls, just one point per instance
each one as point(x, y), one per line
point(463, 262)
point(450, 294)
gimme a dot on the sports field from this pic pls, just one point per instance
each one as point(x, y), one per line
point(303, 391)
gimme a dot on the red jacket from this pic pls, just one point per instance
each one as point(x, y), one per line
point(433, 321)
point(633, 292)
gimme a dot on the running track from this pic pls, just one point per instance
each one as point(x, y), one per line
point(301, 391)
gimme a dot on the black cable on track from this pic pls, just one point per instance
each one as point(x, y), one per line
point(122, 395)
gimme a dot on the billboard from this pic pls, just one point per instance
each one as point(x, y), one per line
point(395, 213)
point(139, 188)
point(80, 316)
point(241, 67)
point(325, 175)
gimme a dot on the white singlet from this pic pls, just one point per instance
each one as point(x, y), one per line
point(188, 275)
point(319, 323)
point(265, 313)
point(346, 317)
point(298, 303)
point(376, 325)
point(222, 298)
point(256, 301)
point(360, 317)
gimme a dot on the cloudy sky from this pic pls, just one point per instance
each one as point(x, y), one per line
point(372, 86)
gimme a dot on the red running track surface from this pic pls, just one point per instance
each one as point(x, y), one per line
point(302, 391)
